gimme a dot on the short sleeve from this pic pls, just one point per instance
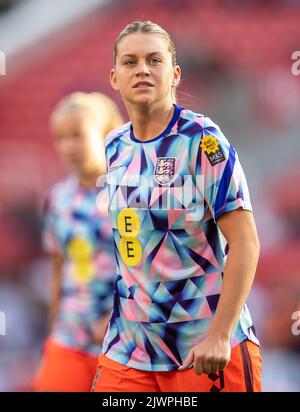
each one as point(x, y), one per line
point(217, 170)
point(50, 240)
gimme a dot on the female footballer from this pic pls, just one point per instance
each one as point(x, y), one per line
point(77, 235)
point(184, 234)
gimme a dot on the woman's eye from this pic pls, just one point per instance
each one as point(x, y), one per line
point(155, 60)
point(129, 62)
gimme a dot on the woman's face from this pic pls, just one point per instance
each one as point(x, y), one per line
point(78, 141)
point(144, 73)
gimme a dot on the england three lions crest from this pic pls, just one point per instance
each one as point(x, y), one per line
point(164, 170)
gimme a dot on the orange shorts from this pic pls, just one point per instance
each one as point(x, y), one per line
point(64, 370)
point(242, 374)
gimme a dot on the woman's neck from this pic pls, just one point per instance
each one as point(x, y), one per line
point(149, 122)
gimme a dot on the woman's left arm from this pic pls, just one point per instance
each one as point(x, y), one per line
point(213, 353)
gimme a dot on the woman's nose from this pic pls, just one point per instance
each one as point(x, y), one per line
point(142, 67)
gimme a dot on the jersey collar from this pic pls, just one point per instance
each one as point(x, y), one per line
point(165, 132)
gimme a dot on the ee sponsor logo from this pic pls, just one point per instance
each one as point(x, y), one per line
point(81, 253)
point(129, 227)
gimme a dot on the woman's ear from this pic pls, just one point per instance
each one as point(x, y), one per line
point(113, 80)
point(177, 76)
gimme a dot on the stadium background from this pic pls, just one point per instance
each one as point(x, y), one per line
point(237, 62)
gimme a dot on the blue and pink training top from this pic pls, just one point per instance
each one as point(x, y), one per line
point(165, 197)
point(76, 226)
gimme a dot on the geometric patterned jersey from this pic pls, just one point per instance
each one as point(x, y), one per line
point(79, 230)
point(165, 197)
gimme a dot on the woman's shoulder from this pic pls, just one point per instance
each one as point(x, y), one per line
point(196, 124)
point(116, 133)
point(61, 190)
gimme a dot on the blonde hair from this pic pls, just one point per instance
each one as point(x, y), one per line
point(100, 107)
point(145, 27)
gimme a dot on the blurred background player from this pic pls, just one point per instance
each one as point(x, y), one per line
point(77, 235)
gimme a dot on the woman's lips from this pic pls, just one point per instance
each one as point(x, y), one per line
point(142, 85)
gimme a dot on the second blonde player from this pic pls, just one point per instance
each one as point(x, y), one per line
point(77, 236)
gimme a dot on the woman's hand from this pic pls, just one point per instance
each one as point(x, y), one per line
point(209, 356)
